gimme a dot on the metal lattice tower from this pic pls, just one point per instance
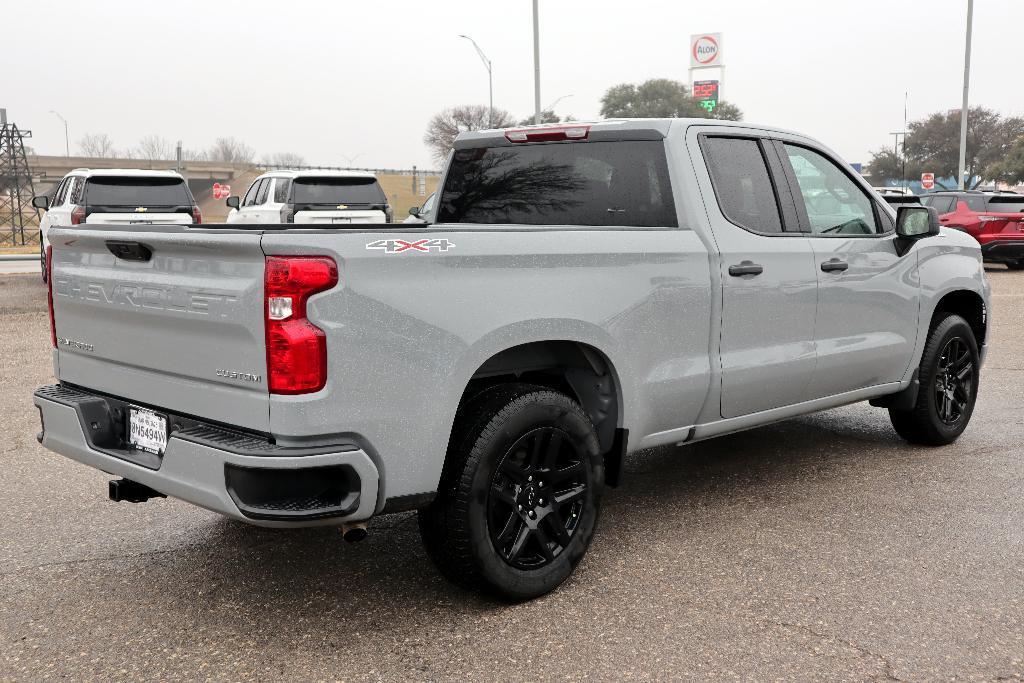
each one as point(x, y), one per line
point(15, 184)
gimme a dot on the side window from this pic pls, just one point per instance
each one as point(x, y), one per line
point(76, 190)
point(742, 184)
point(835, 204)
point(975, 202)
point(281, 188)
point(261, 194)
point(62, 190)
point(250, 196)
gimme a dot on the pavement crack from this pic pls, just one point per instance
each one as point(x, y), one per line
point(887, 667)
point(86, 560)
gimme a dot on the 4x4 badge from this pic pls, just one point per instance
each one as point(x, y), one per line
point(398, 246)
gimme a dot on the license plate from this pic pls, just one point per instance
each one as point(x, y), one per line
point(147, 430)
point(341, 220)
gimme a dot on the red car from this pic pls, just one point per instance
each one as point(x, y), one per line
point(995, 219)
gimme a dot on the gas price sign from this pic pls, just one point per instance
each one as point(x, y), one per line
point(706, 93)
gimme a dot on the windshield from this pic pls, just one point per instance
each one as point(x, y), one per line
point(1006, 204)
point(326, 190)
point(130, 191)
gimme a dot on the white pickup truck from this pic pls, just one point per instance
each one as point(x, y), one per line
point(584, 291)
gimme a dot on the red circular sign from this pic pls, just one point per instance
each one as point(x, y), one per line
point(705, 49)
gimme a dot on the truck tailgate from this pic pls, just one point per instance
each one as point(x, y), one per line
point(175, 321)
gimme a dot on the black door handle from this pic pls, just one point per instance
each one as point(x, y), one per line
point(745, 268)
point(834, 264)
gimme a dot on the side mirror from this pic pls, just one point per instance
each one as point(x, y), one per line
point(913, 222)
point(233, 202)
point(414, 211)
point(41, 202)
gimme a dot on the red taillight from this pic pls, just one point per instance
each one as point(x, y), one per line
point(49, 293)
point(548, 134)
point(296, 348)
point(197, 215)
point(78, 215)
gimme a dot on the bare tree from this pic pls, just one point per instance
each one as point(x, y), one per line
point(154, 147)
point(446, 125)
point(193, 154)
point(284, 160)
point(97, 145)
point(231, 150)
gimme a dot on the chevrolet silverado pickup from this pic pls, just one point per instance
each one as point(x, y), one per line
point(582, 292)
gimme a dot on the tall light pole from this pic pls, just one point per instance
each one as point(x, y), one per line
point(67, 145)
point(536, 66)
point(551, 107)
point(490, 79)
point(963, 109)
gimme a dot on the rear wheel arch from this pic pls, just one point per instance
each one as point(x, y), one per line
point(579, 370)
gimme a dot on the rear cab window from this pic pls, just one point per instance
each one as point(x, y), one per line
point(331, 190)
point(131, 191)
point(603, 183)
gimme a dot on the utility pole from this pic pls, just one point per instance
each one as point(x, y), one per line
point(963, 109)
point(896, 151)
point(536, 65)
point(67, 145)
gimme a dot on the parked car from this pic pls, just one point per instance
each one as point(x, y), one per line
point(421, 214)
point(582, 292)
point(335, 197)
point(116, 196)
point(995, 219)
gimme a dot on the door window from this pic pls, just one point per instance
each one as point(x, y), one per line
point(835, 204)
point(261, 194)
point(942, 204)
point(250, 196)
point(742, 184)
point(62, 190)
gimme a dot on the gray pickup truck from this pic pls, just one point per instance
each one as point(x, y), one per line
point(582, 292)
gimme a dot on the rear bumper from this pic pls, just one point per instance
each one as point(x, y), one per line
point(233, 474)
point(1003, 249)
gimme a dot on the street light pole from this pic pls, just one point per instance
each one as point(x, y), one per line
point(963, 109)
point(536, 66)
point(67, 145)
point(490, 80)
point(551, 107)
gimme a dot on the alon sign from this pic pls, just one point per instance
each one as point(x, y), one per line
point(705, 50)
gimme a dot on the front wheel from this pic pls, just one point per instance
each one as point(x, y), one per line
point(519, 495)
point(948, 376)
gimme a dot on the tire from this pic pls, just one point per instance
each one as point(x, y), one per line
point(949, 376)
point(1015, 265)
point(519, 495)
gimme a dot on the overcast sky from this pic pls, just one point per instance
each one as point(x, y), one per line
point(361, 79)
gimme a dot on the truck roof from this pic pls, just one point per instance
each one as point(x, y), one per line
point(607, 129)
point(315, 173)
point(135, 172)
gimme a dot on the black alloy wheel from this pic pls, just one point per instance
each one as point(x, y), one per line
point(954, 381)
point(536, 498)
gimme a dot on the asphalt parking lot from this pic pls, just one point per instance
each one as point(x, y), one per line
point(817, 548)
